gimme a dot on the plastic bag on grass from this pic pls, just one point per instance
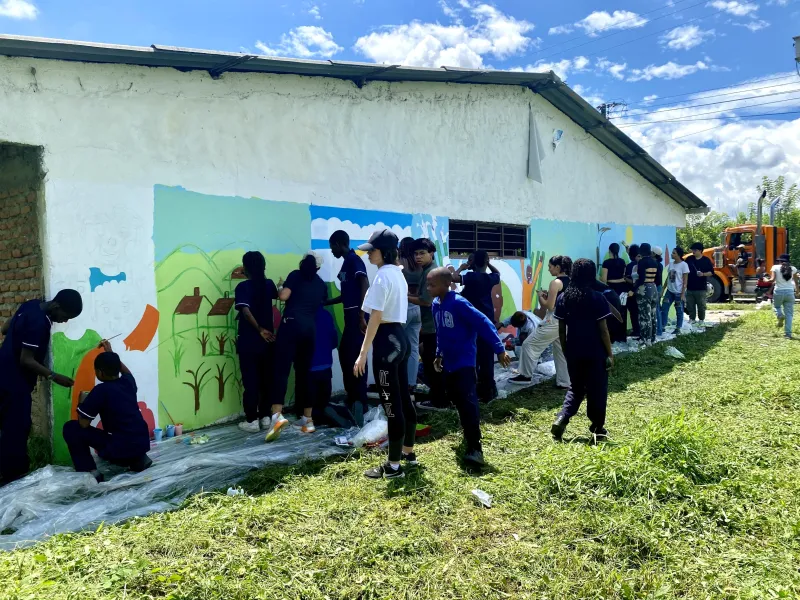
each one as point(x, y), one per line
point(674, 353)
point(376, 427)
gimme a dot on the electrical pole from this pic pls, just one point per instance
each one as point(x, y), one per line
point(607, 107)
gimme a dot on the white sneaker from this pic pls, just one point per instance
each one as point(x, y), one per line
point(300, 422)
point(277, 423)
point(308, 426)
point(701, 323)
point(251, 427)
point(265, 423)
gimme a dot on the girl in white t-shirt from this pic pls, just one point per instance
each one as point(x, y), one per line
point(783, 276)
point(386, 303)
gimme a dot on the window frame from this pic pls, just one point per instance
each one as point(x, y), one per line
point(476, 225)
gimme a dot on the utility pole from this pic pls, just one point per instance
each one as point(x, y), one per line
point(607, 107)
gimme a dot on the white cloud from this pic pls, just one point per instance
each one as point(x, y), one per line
point(686, 37)
point(722, 161)
point(616, 70)
point(434, 45)
point(18, 9)
point(601, 20)
point(668, 70)
point(314, 12)
point(756, 25)
point(308, 41)
point(737, 9)
point(650, 98)
point(559, 29)
point(562, 68)
point(588, 94)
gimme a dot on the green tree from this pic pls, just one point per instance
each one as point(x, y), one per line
point(704, 229)
point(788, 209)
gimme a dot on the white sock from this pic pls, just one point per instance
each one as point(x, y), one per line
point(394, 466)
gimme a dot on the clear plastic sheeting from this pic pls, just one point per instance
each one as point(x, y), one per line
point(57, 499)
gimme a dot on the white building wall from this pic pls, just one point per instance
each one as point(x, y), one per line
point(111, 133)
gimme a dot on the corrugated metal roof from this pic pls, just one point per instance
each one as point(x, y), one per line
point(548, 85)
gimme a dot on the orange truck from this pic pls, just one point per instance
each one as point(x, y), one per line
point(760, 241)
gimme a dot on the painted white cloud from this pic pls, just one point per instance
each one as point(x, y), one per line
point(314, 12)
point(18, 9)
point(755, 25)
point(307, 41)
point(735, 8)
point(492, 33)
point(686, 37)
point(321, 229)
point(722, 161)
point(562, 68)
point(670, 70)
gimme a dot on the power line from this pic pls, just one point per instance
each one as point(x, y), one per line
point(687, 135)
point(766, 87)
point(597, 39)
point(712, 112)
point(796, 112)
point(663, 110)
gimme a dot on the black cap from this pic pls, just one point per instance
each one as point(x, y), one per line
point(382, 239)
point(784, 258)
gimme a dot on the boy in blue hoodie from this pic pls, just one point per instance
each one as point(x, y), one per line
point(458, 326)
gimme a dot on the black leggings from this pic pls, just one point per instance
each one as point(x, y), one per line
point(390, 353)
point(295, 345)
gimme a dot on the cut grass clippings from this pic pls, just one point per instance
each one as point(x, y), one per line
point(695, 495)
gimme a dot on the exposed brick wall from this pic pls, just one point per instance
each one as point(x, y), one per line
point(21, 275)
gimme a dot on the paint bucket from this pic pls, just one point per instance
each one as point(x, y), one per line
point(170, 431)
point(179, 429)
point(157, 434)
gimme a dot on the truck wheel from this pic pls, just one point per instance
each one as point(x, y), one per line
point(716, 290)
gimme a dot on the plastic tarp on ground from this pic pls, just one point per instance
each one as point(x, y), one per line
point(57, 499)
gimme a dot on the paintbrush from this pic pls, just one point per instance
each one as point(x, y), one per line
point(166, 411)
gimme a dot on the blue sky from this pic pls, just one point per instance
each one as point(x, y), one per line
point(642, 52)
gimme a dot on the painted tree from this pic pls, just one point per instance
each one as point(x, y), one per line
point(222, 379)
point(196, 384)
point(221, 339)
point(203, 339)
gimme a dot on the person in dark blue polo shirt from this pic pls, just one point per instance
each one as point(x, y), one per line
point(125, 437)
point(255, 344)
point(478, 285)
point(354, 284)
point(458, 326)
point(582, 327)
point(22, 361)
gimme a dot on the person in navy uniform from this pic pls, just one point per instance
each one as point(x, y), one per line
point(125, 437)
point(458, 326)
point(478, 285)
point(22, 361)
point(354, 285)
point(255, 344)
point(582, 312)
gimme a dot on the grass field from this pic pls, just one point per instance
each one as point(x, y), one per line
point(696, 495)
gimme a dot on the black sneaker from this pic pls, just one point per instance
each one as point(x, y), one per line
point(558, 428)
point(600, 435)
point(428, 405)
point(520, 380)
point(385, 471)
point(410, 459)
point(475, 457)
point(140, 464)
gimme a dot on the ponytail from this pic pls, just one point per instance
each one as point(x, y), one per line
point(614, 250)
point(786, 271)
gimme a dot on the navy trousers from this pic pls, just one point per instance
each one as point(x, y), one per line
point(115, 450)
point(487, 388)
point(294, 346)
point(349, 349)
point(590, 381)
point(257, 380)
point(462, 391)
point(15, 425)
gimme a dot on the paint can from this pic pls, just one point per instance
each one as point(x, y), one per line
point(179, 429)
point(158, 434)
point(170, 431)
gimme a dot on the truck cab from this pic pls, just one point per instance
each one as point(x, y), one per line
point(769, 245)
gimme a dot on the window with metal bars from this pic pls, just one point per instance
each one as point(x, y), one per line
point(500, 241)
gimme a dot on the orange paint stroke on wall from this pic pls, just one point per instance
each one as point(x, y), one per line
point(145, 331)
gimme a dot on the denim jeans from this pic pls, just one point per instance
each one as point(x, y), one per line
point(411, 328)
point(783, 301)
point(671, 298)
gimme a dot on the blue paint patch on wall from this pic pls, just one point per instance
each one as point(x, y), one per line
point(98, 278)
